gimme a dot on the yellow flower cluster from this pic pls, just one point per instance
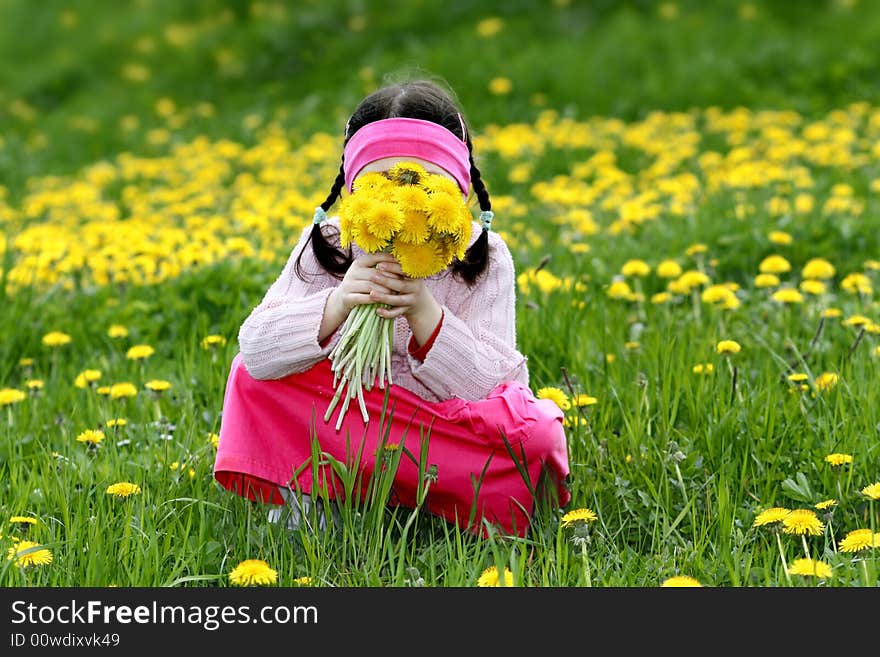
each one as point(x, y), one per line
point(419, 217)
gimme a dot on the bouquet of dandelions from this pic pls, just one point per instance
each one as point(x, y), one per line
point(423, 221)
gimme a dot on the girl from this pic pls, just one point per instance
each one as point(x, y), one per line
point(457, 375)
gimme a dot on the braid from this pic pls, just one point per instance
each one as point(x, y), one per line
point(334, 260)
point(477, 256)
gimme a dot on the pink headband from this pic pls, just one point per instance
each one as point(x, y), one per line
point(403, 137)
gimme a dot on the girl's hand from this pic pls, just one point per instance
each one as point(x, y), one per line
point(406, 296)
point(358, 284)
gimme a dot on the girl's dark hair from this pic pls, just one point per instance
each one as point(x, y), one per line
point(415, 99)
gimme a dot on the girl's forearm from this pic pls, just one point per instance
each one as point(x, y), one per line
point(334, 315)
point(424, 319)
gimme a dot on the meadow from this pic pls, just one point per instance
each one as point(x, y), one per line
point(690, 191)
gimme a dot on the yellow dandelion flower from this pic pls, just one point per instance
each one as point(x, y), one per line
point(660, 298)
point(489, 27)
point(832, 313)
point(826, 504)
point(810, 568)
point(415, 228)
point(84, 378)
point(123, 489)
point(117, 331)
point(211, 341)
point(703, 368)
point(797, 377)
point(826, 380)
point(119, 390)
point(253, 572)
point(116, 422)
point(500, 86)
point(766, 280)
point(620, 290)
point(787, 295)
point(583, 515)
point(366, 239)
point(490, 577)
point(872, 491)
point(91, 436)
point(28, 553)
point(419, 260)
point(669, 269)
point(25, 362)
point(383, 219)
point(818, 268)
point(555, 395)
point(56, 339)
point(584, 400)
point(802, 521)
point(681, 581)
point(637, 268)
point(780, 237)
point(856, 540)
point(728, 347)
point(214, 438)
point(157, 385)
point(34, 384)
point(771, 516)
point(856, 320)
point(22, 520)
point(444, 212)
point(774, 264)
point(11, 396)
point(812, 286)
point(695, 249)
point(139, 352)
point(303, 581)
point(373, 181)
point(838, 459)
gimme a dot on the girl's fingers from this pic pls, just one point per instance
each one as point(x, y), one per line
point(391, 313)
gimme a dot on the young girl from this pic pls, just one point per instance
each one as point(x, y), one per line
point(456, 372)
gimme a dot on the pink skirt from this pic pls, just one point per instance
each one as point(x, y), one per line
point(268, 427)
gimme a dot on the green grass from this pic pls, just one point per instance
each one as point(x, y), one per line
point(676, 465)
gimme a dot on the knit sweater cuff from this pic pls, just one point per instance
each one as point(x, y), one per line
point(283, 339)
point(457, 366)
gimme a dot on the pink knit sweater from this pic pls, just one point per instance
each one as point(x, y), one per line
point(474, 351)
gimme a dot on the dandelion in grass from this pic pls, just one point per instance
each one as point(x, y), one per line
point(579, 521)
point(813, 287)
point(826, 505)
point(23, 522)
point(158, 385)
point(838, 460)
point(117, 331)
point(213, 341)
point(620, 290)
point(116, 422)
point(582, 400)
point(810, 568)
point(91, 437)
point(858, 539)
point(421, 219)
point(9, 396)
point(802, 522)
point(253, 572)
point(555, 395)
point(766, 280)
point(26, 363)
point(826, 381)
point(214, 439)
point(635, 268)
point(56, 339)
point(34, 385)
point(872, 491)
point(123, 489)
point(798, 377)
point(139, 352)
point(491, 577)
point(28, 553)
point(122, 390)
point(787, 295)
point(780, 237)
point(728, 347)
point(818, 268)
point(681, 581)
point(703, 368)
point(774, 264)
point(582, 515)
point(669, 269)
point(831, 313)
point(86, 378)
point(771, 517)
point(104, 391)
point(302, 581)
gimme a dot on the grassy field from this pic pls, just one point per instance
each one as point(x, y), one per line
point(690, 192)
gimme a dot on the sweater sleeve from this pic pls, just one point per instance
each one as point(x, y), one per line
point(475, 349)
point(280, 336)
